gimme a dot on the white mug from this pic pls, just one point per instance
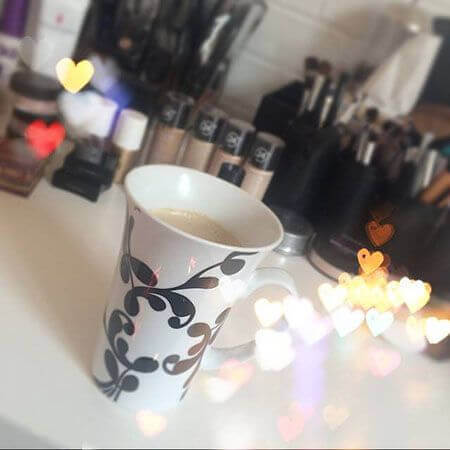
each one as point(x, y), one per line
point(172, 291)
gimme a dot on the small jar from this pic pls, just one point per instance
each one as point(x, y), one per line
point(170, 128)
point(127, 140)
point(232, 144)
point(34, 98)
point(201, 142)
point(264, 157)
point(20, 168)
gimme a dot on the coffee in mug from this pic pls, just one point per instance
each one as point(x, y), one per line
point(196, 224)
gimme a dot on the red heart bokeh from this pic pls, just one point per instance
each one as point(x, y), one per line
point(44, 139)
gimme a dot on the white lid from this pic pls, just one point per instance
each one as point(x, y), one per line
point(130, 129)
point(104, 115)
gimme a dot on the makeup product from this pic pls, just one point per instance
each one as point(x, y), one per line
point(127, 140)
point(368, 154)
point(86, 188)
point(428, 168)
point(367, 148)
point(327, 104)
point(279, 108)
point(320, 79)
point(227, 28)
point(12, 27)
point(34, 98)
point(297, 232)
point(420, 159)
point(264, 156)
point(231, 173)
point(56, 161)
point(20, 169)
point(338, 99)
point(445, 202)
point(232, 144)
point(132, 29)
point(202, 138)
point(311, 66)
point(342, 233)
point(437, 189)
point(364, 134)
point(92, 164)
point(170, 129)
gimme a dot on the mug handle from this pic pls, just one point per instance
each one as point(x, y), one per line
point(215, 357)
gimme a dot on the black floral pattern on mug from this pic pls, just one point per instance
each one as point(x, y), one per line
point(119, 322)
point(132, 271)
point(174, 365)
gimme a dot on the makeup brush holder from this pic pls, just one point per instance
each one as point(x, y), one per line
point(278, 108)
point(301, 178)
point(352, 190)
point(341, 232)
point(433, 265)
point(417, 236)
point(292, 163)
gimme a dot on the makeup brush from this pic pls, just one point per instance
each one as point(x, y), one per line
point(370, 118)
point(323, 72)
point(423, 159)
point(311, 66)
point(327, 103)
point(439, 186)
point(367, 152)
point(428, 168)
point(445, 202)
point(336, 104)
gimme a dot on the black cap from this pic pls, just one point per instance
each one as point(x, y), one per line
point(236, 136)
point(209, 123)
point(231, 173)
point(266, 151)
point(34, 85)
point(175, 110)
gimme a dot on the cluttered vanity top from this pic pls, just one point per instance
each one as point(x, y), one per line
point(57, 259)
point(357, 174)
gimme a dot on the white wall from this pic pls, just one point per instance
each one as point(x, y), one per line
point(342, 31)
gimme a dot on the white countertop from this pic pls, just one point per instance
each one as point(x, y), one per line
point(57, 256)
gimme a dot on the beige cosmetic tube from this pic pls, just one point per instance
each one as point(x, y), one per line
point(264, 157)
point(232, 144)
point(170, 129)
point(202, 138)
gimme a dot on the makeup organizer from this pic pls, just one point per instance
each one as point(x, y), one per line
point(342, 162)
point(316, 152)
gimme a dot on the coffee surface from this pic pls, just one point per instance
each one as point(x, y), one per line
point(196, 224)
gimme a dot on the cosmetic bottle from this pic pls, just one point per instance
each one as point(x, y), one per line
point(232, 173)
point(12, 27)
point(170, 128)
point(232, 144)
point(201, 142)
point(264, 156)
point(127, 140)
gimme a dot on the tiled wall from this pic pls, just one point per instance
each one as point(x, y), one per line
point(343, 31)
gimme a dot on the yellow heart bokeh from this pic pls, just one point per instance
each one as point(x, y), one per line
point(369, 262)
point(74, 76)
